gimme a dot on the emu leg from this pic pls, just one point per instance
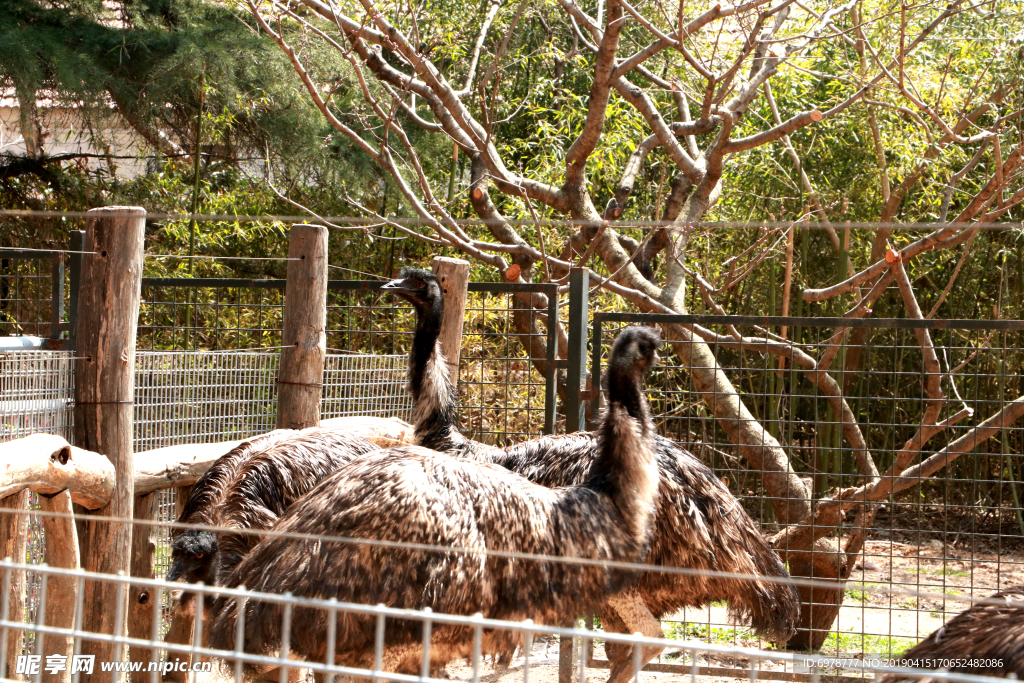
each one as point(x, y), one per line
point(630, 616)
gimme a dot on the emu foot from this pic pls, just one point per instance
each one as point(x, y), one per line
point(629, 614)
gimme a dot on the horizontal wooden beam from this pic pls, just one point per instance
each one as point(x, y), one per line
point(47, 464)
point(183, 465)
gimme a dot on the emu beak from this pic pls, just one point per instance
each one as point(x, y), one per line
point(175, 572)
point(399, 285)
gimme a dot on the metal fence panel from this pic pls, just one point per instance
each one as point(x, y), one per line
point(958, 532)
point(365, 385)
point(726, 662)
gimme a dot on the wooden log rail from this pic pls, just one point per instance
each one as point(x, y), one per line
point(48, 465)
point(175, 466)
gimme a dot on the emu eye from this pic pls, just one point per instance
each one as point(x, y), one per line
point(199, 556)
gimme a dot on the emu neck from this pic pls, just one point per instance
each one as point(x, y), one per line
point(424, 343)
point(625, 466)
point(435, 414)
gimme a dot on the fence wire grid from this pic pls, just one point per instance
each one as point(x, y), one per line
point(956, 532)
point(149, 656)
point(184, 397)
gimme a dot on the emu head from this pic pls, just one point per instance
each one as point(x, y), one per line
point(192, 555)
point(419, 287)
point(633, 353)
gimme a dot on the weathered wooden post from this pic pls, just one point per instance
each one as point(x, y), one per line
point(454, 276)
point(182, 621)
point(141, 599)
point(61, 591)
point(108, 313)
point(13, 544)
point(300, 381)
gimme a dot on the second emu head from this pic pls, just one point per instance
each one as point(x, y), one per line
point(422, 289)
point(634, 352)
point(192, 556)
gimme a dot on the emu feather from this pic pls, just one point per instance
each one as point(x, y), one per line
point(250, 487)
point(412, 495)
point(698, 523)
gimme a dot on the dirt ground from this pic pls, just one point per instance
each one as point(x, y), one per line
point(882, 613)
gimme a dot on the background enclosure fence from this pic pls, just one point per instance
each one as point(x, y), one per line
point(181, 398)
point(208, 357)
point(958, 532)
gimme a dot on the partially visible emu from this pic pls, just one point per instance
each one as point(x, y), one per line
point(410, 495)
point(249, 488)
point(990, 632)
point(698, 524)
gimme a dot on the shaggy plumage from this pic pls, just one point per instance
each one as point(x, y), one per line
point(413, 495)
point(250, 487)
point(698, 523)
point(992, 632)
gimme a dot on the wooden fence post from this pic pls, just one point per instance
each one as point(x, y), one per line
point(142, 599)
point(108, 313)
point(454, 276)
point(182, 624)
point(300, 381)
point(14, 544)
point(61, 591)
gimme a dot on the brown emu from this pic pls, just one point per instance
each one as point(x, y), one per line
point(250, 488)
point(991, 632)
point(698, 523)
point(415, 496)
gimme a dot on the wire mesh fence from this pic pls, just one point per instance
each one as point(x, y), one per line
point(183, 398)
point(188, 397)
point(36, 393)
point(956, 533)
point(503, 379)
point(953, 522)
point(365, 385)
point(502, 373)
point(398, 645)
point(31, 294)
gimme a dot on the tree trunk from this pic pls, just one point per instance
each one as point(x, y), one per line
point(819, 606)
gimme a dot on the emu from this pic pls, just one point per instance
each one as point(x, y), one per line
point(698, 523)
point(991, 632)
point(249, 488)
point(411, 495)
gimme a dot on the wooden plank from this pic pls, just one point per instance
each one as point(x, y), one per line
point(300, 382)
point(176, 466)
point(61, 591)
point(454, 276)
point(108, 313)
